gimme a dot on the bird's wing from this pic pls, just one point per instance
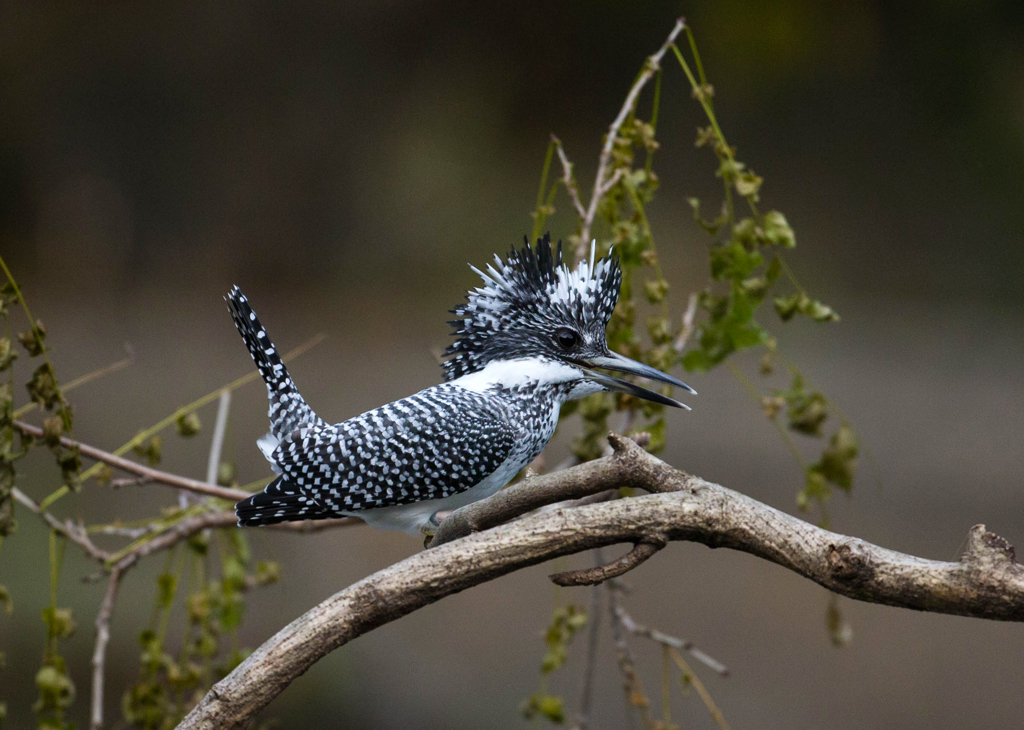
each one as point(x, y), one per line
point(434, 444)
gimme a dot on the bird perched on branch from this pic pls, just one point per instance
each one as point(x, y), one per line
point(529, 339)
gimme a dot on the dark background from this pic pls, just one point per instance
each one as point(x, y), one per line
point(343, 162)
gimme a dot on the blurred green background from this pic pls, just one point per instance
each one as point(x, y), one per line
point(343, 161)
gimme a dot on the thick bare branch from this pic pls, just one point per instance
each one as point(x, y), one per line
point(628, 466)
point(601, 185)
point(985, 583)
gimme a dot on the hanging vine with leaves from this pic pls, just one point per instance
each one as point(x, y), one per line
point(746, 267)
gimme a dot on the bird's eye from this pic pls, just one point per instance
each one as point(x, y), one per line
point(566, 338)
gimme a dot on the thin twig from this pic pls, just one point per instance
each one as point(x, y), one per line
point(568, 180)
point(217, 443)
point(68, 529)
point(631, 683)
point(161, 477)
point(83, 379)
point(130, 482)
point(654, 635)
point(132, 533)
point(590, 660)
point(688, 318)
point(99, 654)
point(705, 696)
point(189, 526)
point(601, 186)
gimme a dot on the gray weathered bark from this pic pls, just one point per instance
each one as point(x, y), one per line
point(985, 583)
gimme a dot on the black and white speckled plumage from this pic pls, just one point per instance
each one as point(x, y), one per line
point(453, 443)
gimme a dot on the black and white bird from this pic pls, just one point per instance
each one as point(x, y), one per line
point(529, 339)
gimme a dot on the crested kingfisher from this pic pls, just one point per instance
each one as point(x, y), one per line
point(529, 339)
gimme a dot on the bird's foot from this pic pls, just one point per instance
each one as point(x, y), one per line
point(428, 528)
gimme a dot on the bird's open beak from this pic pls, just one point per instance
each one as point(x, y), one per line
point(622, 364)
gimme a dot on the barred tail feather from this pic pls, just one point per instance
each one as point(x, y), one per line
point(279, 502)
point(288, 410)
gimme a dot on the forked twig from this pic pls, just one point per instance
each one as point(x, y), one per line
point(601, 185)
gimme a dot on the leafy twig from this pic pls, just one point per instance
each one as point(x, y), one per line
point(601, 185)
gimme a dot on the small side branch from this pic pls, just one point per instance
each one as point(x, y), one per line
point(590, 662)
point(592, 576)
point(631, 684)
point(568, 179)
point(155, 475)
point(671, 641)
point(71, 531)
point(99, 654)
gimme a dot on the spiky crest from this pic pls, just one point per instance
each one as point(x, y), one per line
point(524, 299)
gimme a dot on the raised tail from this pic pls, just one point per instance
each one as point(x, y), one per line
point(288, 410)
point(279, 502)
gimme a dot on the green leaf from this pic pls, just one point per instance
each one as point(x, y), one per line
point(167, 586)
point(803, 304)
point(549, 707)
point(151, 451)
point(56, 690)
point(565, 622)
point(660, 331)
point(188, 424)
point(225, 473)
point(7, 354)
point(32, 339)
point(748, 184)
point(59, 622)
point(267, 572)
point(777, 231)
point(729, 169)
point(655, 290)
point(712, 226)
point(732, 261)
point(839, 630)
point(697, 361)
point(807, 410)
point(839, 459)
point(819, 312)
point(5, 600)
point(53, 429)
point(42, 388)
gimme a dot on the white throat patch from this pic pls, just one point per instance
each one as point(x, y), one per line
point(519, 372)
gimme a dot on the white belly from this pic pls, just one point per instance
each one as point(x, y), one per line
point(410, 518)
